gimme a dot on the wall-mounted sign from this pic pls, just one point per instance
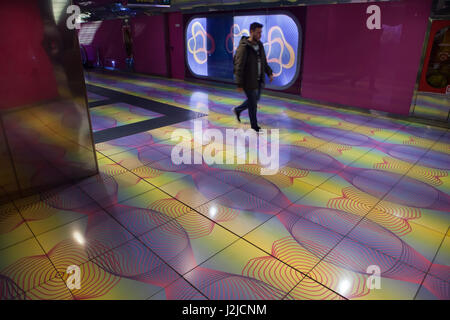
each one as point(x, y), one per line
point(199, 4)
point(147, 2)
point(435, 75)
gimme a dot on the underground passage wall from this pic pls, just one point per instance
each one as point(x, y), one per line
point(45, 131)
point(335, 59)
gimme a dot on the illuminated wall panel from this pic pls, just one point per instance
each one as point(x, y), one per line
point(198, 45)
point(211, 43)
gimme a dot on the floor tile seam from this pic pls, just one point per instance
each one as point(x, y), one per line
point(381, 199)
point(44, 252)
point(430, 266)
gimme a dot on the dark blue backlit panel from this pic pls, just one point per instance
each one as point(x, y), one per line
point(198, 45)
point(211, 43)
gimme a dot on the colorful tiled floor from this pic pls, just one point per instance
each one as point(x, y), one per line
point(118, 114)
point(354, 194)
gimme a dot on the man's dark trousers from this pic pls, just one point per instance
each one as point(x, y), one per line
point(251, 103)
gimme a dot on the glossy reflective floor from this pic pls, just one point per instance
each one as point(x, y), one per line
point(113, 115)
point(355, 195)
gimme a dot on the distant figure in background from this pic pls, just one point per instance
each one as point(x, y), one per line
point(250, 64)
point(128, 41)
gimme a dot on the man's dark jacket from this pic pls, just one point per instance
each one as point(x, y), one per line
point(246, 65)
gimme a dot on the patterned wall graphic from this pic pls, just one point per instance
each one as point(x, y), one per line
point(198, 44)
point(211, 43)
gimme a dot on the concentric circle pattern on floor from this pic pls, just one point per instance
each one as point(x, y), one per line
point(355, 194)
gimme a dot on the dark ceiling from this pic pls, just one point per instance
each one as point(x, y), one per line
point(113, 9)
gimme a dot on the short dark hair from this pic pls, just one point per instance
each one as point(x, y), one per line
point(255, 25)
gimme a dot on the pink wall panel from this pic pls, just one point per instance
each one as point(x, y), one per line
point(176, 45)
point(25, 61)
point(106, 36)
point(91, 53)
point(149, 44)
point(345, 62)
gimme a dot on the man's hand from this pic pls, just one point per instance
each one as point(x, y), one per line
point(239, 89)
point(271, 78)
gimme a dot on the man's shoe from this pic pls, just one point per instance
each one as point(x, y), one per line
point(236, 114)
point(257, 129)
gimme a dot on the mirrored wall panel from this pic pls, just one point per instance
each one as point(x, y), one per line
point(45, 134)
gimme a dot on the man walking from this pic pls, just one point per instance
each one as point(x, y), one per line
point(250, 64)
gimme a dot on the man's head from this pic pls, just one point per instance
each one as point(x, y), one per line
point(255, 31)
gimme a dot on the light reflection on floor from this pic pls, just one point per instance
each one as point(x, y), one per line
point(354, 195)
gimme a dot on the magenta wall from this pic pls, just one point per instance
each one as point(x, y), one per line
point(149, 45)
point(176, 45)
point(24, 63)
point(108, 38)
point(345, 63)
